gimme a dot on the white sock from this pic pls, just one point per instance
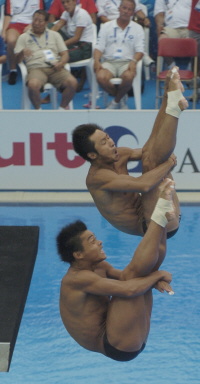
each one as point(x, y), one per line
point(172, 103)
point(162, 207)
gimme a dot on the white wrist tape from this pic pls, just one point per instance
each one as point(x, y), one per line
point(162, 207)
point(172, 103)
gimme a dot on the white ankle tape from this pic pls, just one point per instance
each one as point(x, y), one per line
point(172, 103)
point(162, 207)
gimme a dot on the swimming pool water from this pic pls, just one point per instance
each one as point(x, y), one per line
point(45, 353)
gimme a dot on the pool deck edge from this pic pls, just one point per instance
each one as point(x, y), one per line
point(20, 197)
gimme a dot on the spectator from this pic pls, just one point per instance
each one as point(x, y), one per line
point(172, 18)
point(76, 28)
point(2, 51)
point(109, 10)
point(194, 26)
point(56, 9)
point(121, 45)
point(45, 55)
point(18, 16)
point(78, 32)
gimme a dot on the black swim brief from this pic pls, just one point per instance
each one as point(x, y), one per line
point(118, 355)
point(169, 234)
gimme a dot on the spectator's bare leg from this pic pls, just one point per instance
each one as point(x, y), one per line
point(103, 78)
point(125, 86)
point(11, 38)
point(69, 90)
point(34, 87)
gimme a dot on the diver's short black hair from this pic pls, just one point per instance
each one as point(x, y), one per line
point(68, 240)
point(81, 139)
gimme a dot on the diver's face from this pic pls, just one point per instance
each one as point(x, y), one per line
point(105, 146)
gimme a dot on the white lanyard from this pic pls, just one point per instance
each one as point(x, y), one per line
point(125, 34)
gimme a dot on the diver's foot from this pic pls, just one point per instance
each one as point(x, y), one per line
point(176, 102)
point(164, 209)
point(175, 82)
point(172, 81)
point(166, 189)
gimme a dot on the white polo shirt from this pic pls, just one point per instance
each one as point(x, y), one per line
point(110, 8)
point(80, 18)
point(111, 38)
point(177, 12)
point(22, 11)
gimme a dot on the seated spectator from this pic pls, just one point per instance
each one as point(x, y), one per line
point(109, 10)
point(56, 9)
point(194, 26)
point(45, 56)
point(2, 51)
point(78, 31)
point(119, 47)
point(18, 17)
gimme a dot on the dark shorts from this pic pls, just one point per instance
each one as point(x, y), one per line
point(169, 234)
point(118, 355)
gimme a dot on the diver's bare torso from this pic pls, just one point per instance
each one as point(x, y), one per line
point(122, 209)
point(83, 315)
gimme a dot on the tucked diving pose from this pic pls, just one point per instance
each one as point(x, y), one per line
point(104, 309)
point(125, 201)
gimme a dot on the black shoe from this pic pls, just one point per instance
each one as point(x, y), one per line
point(12, 78)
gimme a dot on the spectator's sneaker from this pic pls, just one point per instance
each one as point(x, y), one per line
point(12, 78)
point(123, 102)
point(113, 105)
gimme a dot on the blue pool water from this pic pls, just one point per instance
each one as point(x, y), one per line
point(44, 352)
